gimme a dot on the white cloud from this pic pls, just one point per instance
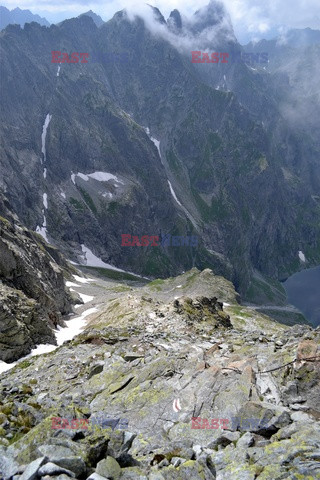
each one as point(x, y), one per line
point(248, 16)
point(263, 27)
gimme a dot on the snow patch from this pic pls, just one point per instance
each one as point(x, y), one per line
point(6, 366)
point(38, 350)
point(173, 194)
point(43, 229)
point(154, 140)
point(43, 232)
point(99, 176)
point(63, 334)
point(104, 177)
point(82, 279)
point(83, 176)
point(43, 136)
point(157, 144)
point(72, 284)
point(302, 256)
point(84, 298)
point(58, 72)
point(44, 173)
point(63, 195)
point(74, 327)
point(93, 261)
point(42, 348)
point(45, 201)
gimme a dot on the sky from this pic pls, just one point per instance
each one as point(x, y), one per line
point(252, 19)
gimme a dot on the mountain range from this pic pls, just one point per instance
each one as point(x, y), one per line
point(18, 16)
point(110, 370)
point(158, 145)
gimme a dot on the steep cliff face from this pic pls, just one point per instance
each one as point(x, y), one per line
point(32, 291)
point(94, 186)
point(156, 144)
point(235, 161)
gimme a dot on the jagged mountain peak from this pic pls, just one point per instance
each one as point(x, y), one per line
point(210, 26)
point(174, 21)
point(213, 15)
point(157, 14)
point(96, 18)
point(85, 23)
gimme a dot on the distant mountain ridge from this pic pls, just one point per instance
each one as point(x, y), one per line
point(294, 62)
point(96, 18)
point(20, 17)
point(293, 38)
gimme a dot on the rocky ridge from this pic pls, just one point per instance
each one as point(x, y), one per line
point(149, 361)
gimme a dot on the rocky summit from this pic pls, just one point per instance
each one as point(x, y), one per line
point(170, 379)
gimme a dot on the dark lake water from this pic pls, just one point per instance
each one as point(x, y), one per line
point(303, 290)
